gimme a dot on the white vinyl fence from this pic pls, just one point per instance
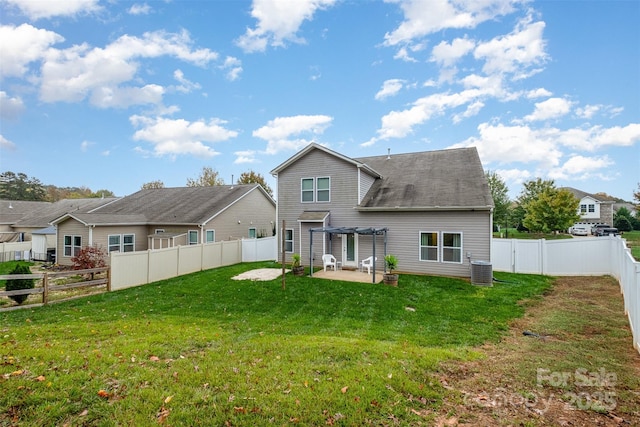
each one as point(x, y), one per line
point(139, 268)
point(576, 257)
point(15, 251)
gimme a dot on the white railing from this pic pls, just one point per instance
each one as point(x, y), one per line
point(576, 257)
point(139, 268)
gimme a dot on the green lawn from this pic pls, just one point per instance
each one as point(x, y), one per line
point(204, 349)
point(633, 241)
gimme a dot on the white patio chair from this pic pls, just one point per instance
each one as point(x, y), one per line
point(328, 260)
point(367, 263)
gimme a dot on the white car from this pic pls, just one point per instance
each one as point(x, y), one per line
point(579, 231)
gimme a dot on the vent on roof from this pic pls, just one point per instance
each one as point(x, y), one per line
point(481, 273)
point(388, 153)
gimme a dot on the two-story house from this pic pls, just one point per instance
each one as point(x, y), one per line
point(593, 209)
point(432, 210)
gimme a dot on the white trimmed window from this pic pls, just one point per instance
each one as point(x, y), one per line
point(583, 209)
point(315, 189)
point(323, 192)
point(193, 237)
point(307, 190)
point(72, 245)
point(252, 232)
point(210, 236)
point(452, 247)
point(428, 246)
point(122, 242)
point(288, 240)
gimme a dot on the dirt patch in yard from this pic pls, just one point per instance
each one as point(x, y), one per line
point(261, 274)
point(568, 362)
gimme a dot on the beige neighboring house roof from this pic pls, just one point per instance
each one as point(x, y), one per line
point(161, 206)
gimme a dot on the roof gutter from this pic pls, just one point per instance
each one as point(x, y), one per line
point(425, 208)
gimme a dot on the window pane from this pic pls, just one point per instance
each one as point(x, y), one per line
point(211, 236)
point(128, 238)
point(323, 183)
point(193, 237)
point(451, 255)
point(252, 233)
point(451, 240)
point(114, 239)
point(67, 240)
point(307, 184)
point(77, 241)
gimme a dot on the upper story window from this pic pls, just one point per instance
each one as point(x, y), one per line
point(583, 208)
point(315, 189)
point(592, 208)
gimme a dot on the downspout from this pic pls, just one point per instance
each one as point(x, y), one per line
point(91, 235)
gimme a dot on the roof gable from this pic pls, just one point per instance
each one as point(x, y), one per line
point(313, 146)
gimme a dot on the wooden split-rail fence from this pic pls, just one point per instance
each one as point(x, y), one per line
point(48, 278)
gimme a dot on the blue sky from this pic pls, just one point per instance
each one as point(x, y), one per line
point(111, 95)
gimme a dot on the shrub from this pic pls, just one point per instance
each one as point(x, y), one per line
point(623, 224)
point(89, 257)
point(392, 262)
point(15, 284)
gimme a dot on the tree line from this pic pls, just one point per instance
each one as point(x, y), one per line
point(19, 186)
point(541, 207)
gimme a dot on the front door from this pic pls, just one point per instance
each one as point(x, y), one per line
point(350, 250)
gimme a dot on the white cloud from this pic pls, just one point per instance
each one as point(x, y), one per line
point(28, 44)
point(247, 156)
point(278, 22)
point(84, 145)
point(180, 137)
point(516, 144)
point(73, 74)
point(233, 67)
point(538, 93)
point(140, 9)
point(579, 167)
point(588, 111)
point(36, 9)
point(282, 133)
point(403, 54)
point(5, 144)
point(186, 85)
point(389, 88)
point(552, 108)
point(422, 17)
point(597, 137)
point(447, 54)
point(10, 107)
point(516, 52)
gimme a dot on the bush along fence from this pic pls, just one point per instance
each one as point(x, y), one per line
point(48, 284)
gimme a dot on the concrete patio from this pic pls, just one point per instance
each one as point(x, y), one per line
point(348, 275)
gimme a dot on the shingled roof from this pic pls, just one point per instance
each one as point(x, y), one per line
point(177, 205)
point(442, 179)
point(42, 215)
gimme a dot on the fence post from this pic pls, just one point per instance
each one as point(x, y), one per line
point(45, 286)
point(108, 279)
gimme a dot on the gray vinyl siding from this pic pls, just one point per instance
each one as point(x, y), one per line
point(253, 210)
point(404, 227)
point(71, 227)
point(366, 181)
point(344, 196)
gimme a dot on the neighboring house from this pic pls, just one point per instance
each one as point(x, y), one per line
point(41, 217)
point(168, 217)
point(12, 211)
point(593, 209)
point(432, 210)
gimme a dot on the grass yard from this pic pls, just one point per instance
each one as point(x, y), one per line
point(633, 241)
point(204, 349)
